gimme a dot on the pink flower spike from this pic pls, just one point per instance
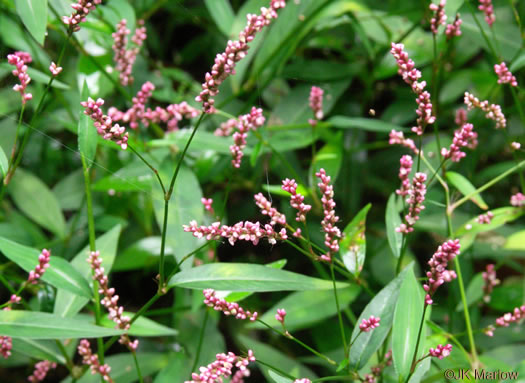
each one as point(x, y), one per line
point(41, 370)
point(504, 75)
point(463, 137)
point(228, 308)
point(517, 200)
point(487, 7)
point(493, 111)
point(124, 57)
point(490, 280)
point(440, 351)
point(398, 138)
point(454, 29)
point(267, 209)
point(316, 104)
point(82, 9)
point(6, 344)
point(104, 124)
point(416, 197)
point(296, 200)
point(90, 359)
point(15, 299)
point(281, 314)
point(207, 205)
point(54, 69)
point(223, 367)
point(485, 219)
point(438, 273)
point(19, 60)
point(404, 173)
point(513, 317)
point(369, 324)
point(43, 264)
point(247, 122)
point(439, 17)
point(332, 232)
point(235, 51)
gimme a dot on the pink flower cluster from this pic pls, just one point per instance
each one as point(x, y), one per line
point(296, 199)
point(515, 316)
point(398, 138)
point(440, 351)
point(281, 314)
point(438, 273)
point(411, 76)
point(485, 219)
point(43, 265)
point(267, 209)
point(493, 111)
point(207, 204)
point(137, 111)
point(235, 51)
point(517, 200)
point(332, 232)
point(463, 136)
point(515, 145)
point(124, 57)
point(54, 69)
point(303, 380)
point(316, 104)
point(247, 122)
point(490, 280)
point(228, 308)
point(6, 344)
point(82, 9)
point(41, 370)
point(504, 75)
point(104, 124)
point(487, 7)
point(369, 324)
point(416, 197)
point(110, 300)
point(222, 367)
point(90, 359)
point(243, 231)
point(439, 17)
point(19, 60)
point(404, 175)
point(454, 29)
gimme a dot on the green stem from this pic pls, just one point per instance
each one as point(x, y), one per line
point(62, 349)
point(281, 372)
point(339, 316)
point(201, 338)
point(153, 169)
point(137, 367)
point(485, 37)
point(414, 357)
point(402, 254)
point(161, 289)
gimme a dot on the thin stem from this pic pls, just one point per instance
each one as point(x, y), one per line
point(281, 372)
point(401, 256)
point(17, 133)
point(161, 289)
point(339, 316)
point(137, 367)
point(201, 338)
point(153, 169)
point(485, 37)
point(414, 357)
point(62, 349)
point(291, 337)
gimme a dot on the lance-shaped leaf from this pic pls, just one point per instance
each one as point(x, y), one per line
point(353, 244)
point(247, 277)
point(87, 134)
point(60, 273)
point(381, 306)
point(393, 221)
point(40, 325)
point(39, 349)
point(465, 187)
point(34, 16)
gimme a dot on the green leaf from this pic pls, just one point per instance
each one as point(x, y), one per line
point(515, 241)
point(330, 158)
point(393, 221)
point(44, 208)
point(59, 274)
point(39, 349)
point(305, 308)
point(420, 371)
point(407, 319)
point(222, 13)
point(87, 134)
point(246, 277)
point(369, 124)
point(39, 325)
point(320, 70)
point(67, 304)
point(353, 243)
point(465, 187)
point(44, 78)
point(381, 306)
point(202, 141)
point(141, 327)
point(185, 205)
point(177, 370)
point(474, 291)
point(3, 162)
point(34, 16)
point(278, 378)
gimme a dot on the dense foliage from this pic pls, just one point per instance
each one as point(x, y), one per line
point(282, 191)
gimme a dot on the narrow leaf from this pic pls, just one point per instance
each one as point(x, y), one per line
point(381, 306)
point(330, 158)
point(395, 239)
point(39, 349)
point(246, 277)
point(465, 188)
point(39, 325)
point(353, 243)
point(34, 16)
point(34, 198)
point(369, 124)
point(222, 13)
point(59, 274)
point(3, 162)
point(87, 134)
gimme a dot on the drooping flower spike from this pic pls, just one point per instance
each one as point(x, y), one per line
point(332, 232)
point(493, 111)
point(235, 51)
point(438, 273)
point(19, 60)
point(267, 209)
point(104, 124)
point(228, 308)
point(222, 367)
point(398, 138)
point(463, 137)
point(90, 359)
point(81, 10)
